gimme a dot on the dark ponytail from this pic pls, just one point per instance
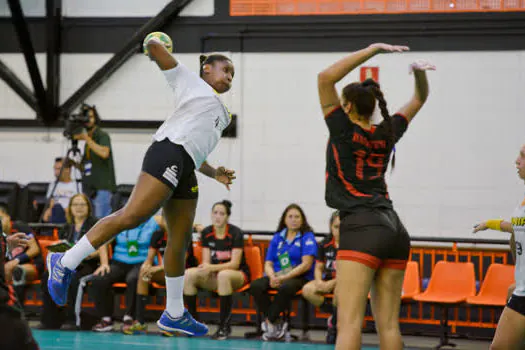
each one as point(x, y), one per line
point(381, 102)
point(227, 204)
point(202, 61)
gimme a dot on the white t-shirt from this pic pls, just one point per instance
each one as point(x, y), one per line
point(199, 117)
point(63, 192)
point(518, 224)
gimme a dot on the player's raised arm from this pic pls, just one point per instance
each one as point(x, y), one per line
point(494, 224)
point(327, 79)
point(158, 46)
point(413, 106)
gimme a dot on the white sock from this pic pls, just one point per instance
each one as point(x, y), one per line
point(77, 253)
point(174, 299)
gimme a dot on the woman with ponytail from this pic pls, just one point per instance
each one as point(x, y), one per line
point(223, 267)
point(374, 246)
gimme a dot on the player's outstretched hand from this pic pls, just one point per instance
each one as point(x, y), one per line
point(387, 48)
point(421, 65)
point(480, 227)
point(225, 176)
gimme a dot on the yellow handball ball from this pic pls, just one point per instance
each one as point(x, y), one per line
point(165, 38)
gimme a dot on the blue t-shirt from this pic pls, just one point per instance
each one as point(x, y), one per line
point(142, 234)
point(303, 244)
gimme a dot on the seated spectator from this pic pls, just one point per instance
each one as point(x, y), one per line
point(80, 219)
point(63, 192)
point(130, 250)
point(10, 226)
point(223, 266)
point(25, 264)
point(152, 271)
point(15, 331)
point(324, 274)
point(289, 265)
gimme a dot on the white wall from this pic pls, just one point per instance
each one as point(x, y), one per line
point(454, 165)
point(113, 8)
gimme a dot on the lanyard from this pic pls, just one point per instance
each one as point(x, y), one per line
point(138, 234)
point(76, 234)
point(298, 237)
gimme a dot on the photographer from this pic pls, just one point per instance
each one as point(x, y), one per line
point(98, 172)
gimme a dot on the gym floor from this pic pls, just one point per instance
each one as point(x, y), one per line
point(51, 340)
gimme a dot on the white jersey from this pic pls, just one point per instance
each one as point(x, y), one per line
point(199, 117)
point(518, 224)
point(63, 192)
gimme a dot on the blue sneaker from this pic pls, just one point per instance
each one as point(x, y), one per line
point(59, 278)
point(184, 324)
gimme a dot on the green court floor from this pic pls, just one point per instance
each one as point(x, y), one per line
point(51, 340)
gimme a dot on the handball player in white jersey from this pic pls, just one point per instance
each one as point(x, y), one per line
point(510, 333)
point(167, 179)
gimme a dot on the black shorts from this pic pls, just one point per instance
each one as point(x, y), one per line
point(171, 164)
point(517, 303)
point(375, 238)
point(16, 334)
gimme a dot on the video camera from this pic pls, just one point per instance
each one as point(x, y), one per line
point(76, 123)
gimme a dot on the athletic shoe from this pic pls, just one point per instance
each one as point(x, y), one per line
point(264, 326)
point(275, 331)
point(131, 328)
point(167, 334)
point(185, 324)
point(103, 326)
point(222, 333)
point(331, 334)
point(59, 278)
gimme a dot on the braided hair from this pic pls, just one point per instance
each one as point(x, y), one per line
point(374, 87)
point(363, 96)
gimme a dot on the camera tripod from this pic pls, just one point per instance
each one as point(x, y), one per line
point(73, 150)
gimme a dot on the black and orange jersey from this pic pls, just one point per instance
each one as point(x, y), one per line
point(159, 240)
point(327, 254)
point(221, 249)
point(356, 162)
